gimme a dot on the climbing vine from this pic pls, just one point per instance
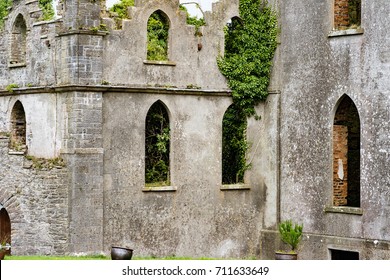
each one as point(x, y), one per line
point(250, 44)
point(234, 146)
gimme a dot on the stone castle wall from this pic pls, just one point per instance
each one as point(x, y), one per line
point(86, 93)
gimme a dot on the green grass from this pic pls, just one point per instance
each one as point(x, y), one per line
point(97, 257)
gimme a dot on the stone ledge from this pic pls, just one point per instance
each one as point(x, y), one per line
point(234, 187)
point(138, 89)
point(16, 65)
point(83, 32)
point(159, 189)
point(16, 153)
point(160, 63)
point(82, 151)
point(344, 210)
point(346, 32)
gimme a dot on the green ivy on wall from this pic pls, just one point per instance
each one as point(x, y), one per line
point(250, 45)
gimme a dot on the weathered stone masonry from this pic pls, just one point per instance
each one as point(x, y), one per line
point(86, 92)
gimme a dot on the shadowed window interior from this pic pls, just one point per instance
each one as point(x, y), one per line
point(347, 14)
point(343, 255)
point(346, 155)
point(18, 41)
point(18, 127)
point(234, 146)
point(157, 145)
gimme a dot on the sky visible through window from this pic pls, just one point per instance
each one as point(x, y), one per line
point(192, 9)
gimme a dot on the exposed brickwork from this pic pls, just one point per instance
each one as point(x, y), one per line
point(18, 121)
point(341, 16)
point(340, 164)
point(18, 41)
point(37, 204)
point(346, 13)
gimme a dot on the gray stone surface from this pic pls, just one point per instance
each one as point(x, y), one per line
point(86, 93)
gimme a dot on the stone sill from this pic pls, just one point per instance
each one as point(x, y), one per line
point(160, 63)
point(16, 65)
point(344, 210)
point(83, 32)
point(159, 189)
point(47, 22)
point(235, 187)
point(16, 153)
point(346, 32)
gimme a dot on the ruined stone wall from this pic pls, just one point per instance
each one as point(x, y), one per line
point(192, 58)
point(37, 203)
point(196, 215)
point(314, 81)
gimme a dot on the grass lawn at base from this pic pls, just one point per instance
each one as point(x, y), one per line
point(98, 257)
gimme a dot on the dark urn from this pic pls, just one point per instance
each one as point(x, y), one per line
point(120, 253)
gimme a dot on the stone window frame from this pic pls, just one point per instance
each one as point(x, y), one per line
point(18, 42)
point(344, 209)
point(167, 62)
point(239, 186)
point(335, 32)
point(169, 188)
point(21, 146)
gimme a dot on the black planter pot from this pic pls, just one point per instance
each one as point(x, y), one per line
point(285, 256)
point(120, 253)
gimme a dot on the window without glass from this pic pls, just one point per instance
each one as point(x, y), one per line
point(347, 14)
point(18, 41)
point(18, 127)
point(157, 141)
point(234, 146)
point(346, 155)
point(158, 32)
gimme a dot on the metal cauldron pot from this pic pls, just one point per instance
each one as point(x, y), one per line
point(120, 253)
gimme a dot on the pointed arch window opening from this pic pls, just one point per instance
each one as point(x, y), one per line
point(18, 42)
point(18, 128)
point(157, 146)
point(346, 155)
point(234, 146)
point(158, 29)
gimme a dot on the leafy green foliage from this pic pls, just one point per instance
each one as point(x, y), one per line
point(47, 9)
point(250, 44)
point(10, 87)
point(194, 20)
point(354, 12)
point(158, 30)
point(121, 8)
point(290, 233)
point(234, 146)
point(157, 145)
point(4, 5)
